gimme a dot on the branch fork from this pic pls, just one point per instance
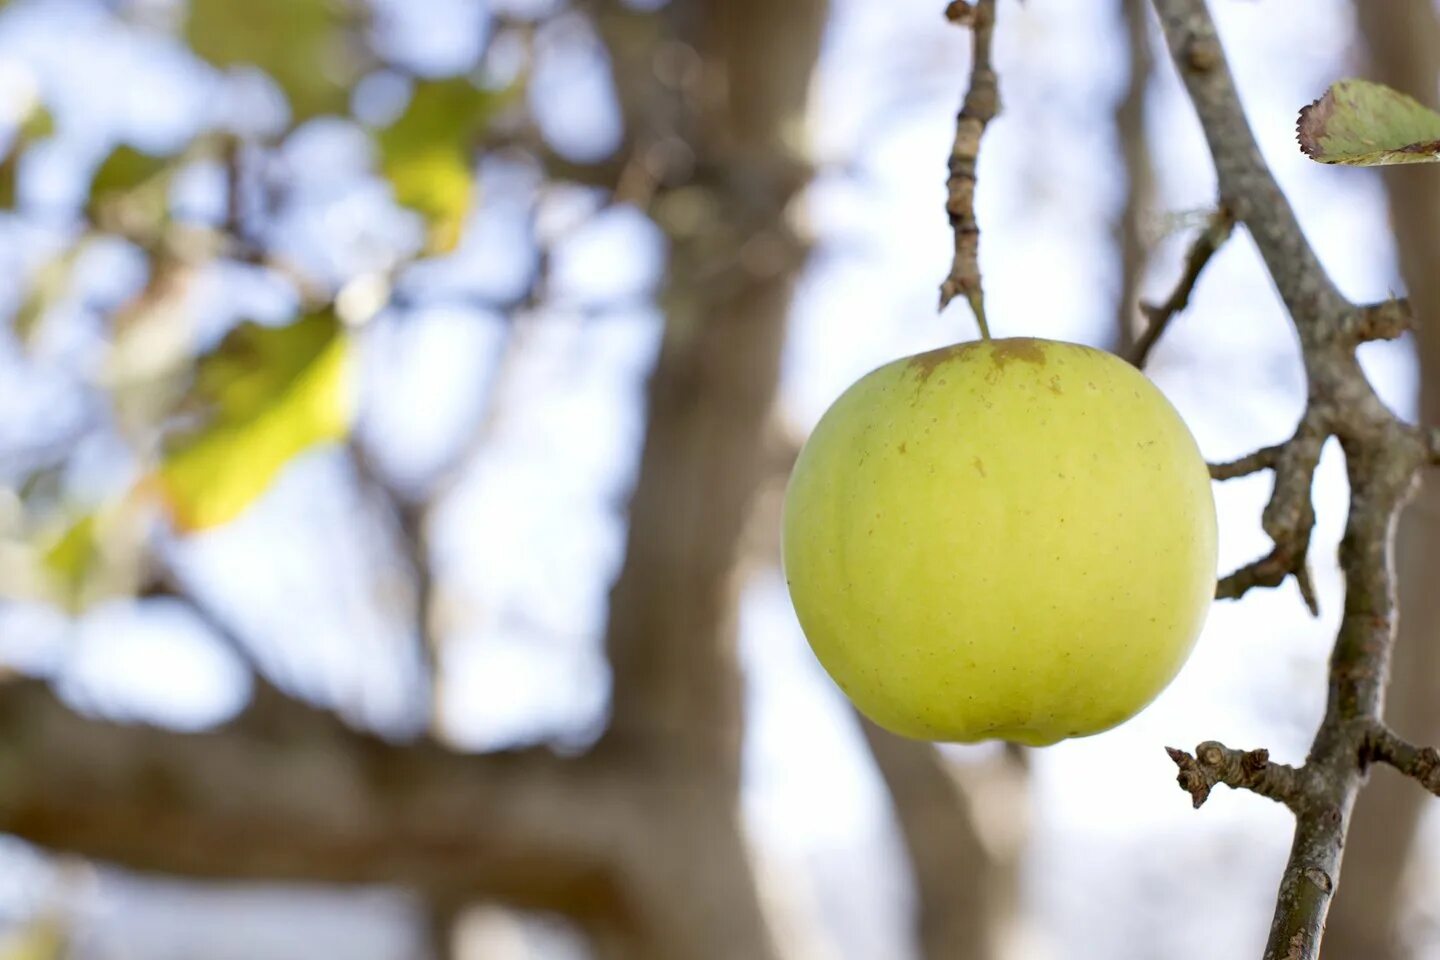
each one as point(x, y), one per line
point(1289, 517)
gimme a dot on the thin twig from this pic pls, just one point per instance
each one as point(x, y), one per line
point(1421, 764)
point(1289, 516)
point(1250, 770)
point(982, 103)
point(1385, 320)
point(1383, 456)
point(1263, 459)
point(1210, 240)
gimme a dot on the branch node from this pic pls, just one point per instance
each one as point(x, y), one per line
point(960, 12)
point(1203, 54)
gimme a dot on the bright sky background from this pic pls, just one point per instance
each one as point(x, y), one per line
point(532, 536)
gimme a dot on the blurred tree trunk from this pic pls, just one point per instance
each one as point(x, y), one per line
point(966, 866)
point(1139, 203)
point(640, 840)
point(1371, 906)
point(714, 109)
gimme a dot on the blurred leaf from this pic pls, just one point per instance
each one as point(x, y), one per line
point(1366, 124)
point(90, 557)
point(130, 192)
point(9, 179)
point(42, 939)
point(125, 169)
point(427, 154)
point(37, 125)
point(299, 43)
point(271, 393)
point(72, 559)
point(49, 284)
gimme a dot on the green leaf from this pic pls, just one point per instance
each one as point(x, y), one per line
point(427, 154)
point(124, 170)
point(299, 43)
point(71, 560)
point(1364, 124)
point(9, 179)
point(39, 124)
point(271, 393)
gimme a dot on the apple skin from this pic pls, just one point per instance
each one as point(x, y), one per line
point(1006, 539)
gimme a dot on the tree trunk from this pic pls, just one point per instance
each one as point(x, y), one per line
point(1367, 918)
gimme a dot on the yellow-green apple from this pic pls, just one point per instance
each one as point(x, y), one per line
point(1006, 539)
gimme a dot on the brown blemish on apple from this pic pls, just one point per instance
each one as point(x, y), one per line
point(901, 448)
point(980, 466)
point(923, 365)
point(1023, 349)
point(1055, 386)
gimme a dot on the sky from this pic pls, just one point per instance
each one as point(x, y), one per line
point(531, 535)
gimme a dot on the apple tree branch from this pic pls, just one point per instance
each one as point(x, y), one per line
point(1383, 457)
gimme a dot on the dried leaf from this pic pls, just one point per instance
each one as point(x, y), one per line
point(1364, 124)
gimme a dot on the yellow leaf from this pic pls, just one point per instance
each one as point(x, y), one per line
point(272, 393)
point(71, 560)
point(426, 154)
point(299, 43)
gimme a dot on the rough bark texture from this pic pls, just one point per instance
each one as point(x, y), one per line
point(1367, 920)
point(640, 840)
point(1383, 456)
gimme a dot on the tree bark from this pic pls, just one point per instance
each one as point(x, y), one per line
point(1367, 918)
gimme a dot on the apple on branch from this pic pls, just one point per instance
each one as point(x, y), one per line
point(1006, 539)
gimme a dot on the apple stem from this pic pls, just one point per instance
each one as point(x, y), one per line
point(977, 305)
